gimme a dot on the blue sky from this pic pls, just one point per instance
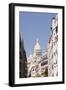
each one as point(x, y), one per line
point(33, 25)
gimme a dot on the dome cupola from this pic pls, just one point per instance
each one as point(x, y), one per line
point(37, 48)
point(37, 45)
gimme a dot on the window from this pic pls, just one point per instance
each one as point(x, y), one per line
point(56, 38)
point(44, 63)
point(57, 29)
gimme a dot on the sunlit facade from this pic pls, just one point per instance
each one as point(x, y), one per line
point(37, 62)
point(53, 49)
point(45, 64)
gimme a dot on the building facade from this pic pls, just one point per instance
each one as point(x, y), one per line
point(22, 60)
point(45, 64)
point(53, 48)
point(37, 62)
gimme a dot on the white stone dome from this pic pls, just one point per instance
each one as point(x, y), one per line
point(37, 46)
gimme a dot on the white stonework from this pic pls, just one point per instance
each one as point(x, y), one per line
point(53, 49)
point(45, 64)
point(35, 67)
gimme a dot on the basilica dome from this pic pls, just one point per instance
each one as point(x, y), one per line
point(37, 46)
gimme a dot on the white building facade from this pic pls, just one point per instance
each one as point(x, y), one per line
point(53, 49)
point(37, 62)
point(45, 64)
